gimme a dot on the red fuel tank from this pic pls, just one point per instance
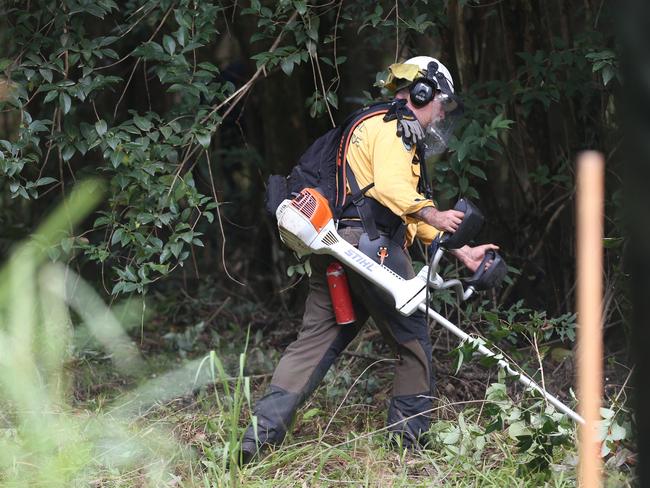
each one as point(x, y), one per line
point(337, 281)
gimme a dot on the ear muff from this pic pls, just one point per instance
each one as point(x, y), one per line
point(423, 89)
point(421, 92)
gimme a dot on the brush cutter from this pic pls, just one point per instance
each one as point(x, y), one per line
point(306, 225)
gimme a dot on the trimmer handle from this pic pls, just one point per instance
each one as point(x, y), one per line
point(468, 228)
point(483, 279)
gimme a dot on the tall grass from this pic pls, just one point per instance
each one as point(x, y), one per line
point(42, 443)
point(44, 439)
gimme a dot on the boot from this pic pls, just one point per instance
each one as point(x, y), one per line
point(274, 412)
point(411, 432)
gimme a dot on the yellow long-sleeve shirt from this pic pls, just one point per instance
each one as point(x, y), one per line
point(376, 154)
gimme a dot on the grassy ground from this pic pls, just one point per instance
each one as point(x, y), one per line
point(165, 405)
point(338, 437)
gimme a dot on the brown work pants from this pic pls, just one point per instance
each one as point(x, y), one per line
point(321, 340)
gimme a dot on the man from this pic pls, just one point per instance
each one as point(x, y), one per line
point(387, 151)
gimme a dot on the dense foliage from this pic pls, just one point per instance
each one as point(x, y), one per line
point(184, 105)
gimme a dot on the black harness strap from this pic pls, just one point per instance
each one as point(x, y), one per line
point(424, 186)
point(345, 175)
point(362, 205)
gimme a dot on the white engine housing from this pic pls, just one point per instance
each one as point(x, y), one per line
point(298, 232)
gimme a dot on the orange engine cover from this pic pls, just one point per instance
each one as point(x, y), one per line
point(314, 206)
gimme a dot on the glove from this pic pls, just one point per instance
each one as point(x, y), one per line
point(410, 131)
point(408, 127)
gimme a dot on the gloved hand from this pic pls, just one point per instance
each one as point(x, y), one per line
point(408, 127)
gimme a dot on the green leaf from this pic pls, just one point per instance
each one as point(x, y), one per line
point(65, 102)
point(176, 248)
point(462, 151)
point(287, 66)
point(518, 429)
point(256, 37)
point(524, 443)
point(169, 44)
point(333, 99)
point(209, 67)
point(113, 142)
point(37, 126)
point(180, 35)
point(476, 171)
point(301, 6)
point(46, 74)
point(130, 275)
point(117, 235)
point(142, 123)
point(50, 96)
point(472, 193)
point(117, 288)
point(101, 221)
point(312, 412)
point(44, 181)
point(204, 139)
point(460, 358)
point(494, 426)
point(101, 127)
point(129, 287)
point(463, 183)
point(67, 153)
point(182, 19)
point(164, 256)
point(608, 74)
point(450, 193)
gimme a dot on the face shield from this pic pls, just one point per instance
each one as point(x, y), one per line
point(448, 108)
point(439, 130)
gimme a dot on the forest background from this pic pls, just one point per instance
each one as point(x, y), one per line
point(179, 110)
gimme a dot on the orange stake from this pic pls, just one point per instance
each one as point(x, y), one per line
point(589, 218)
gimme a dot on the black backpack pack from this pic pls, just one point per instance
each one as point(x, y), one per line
point(324, 166)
